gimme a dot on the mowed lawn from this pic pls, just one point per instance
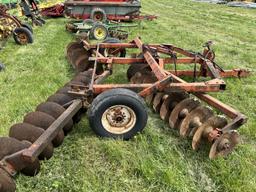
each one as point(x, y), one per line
point(158, 159)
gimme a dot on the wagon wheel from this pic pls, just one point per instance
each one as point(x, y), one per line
point(22, 36)
point(118, 113)
point(99, 32)
point(112, 52)
point(98, 15)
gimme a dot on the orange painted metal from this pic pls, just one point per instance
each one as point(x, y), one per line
point(152, 56)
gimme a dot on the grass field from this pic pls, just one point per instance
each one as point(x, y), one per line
point(157, 159)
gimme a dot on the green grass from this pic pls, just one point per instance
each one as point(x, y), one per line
point(157, 159)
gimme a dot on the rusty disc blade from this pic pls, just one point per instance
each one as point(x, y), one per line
point(39, 119)
point(61, 99)
point(58, 140)
point(56, 110)
point(73, 45)
point(7, 184)
point(44, 120)
point(224, 145)
point(158, 100)
point(165, 110)
point(149, 99)
point(70, 52)
point(25, 131)
point(170, 102)
point(32, 169)
point(137, 78)
point(134, 68)
point(74, 82)
point(84, 79)
point(64, 90)
point(181, 110)
point(82, 63)
point(76, 54)
point(9, 146)
point(203, 131)
point(51, 108)
point(88, 73)
point(194, 120)
point(149, 77)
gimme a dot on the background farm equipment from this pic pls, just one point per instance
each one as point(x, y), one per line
point(118, 110)
point(99, 31)
point(31, 11)
point(22, 33)
point(101, 10)
point(53, 11)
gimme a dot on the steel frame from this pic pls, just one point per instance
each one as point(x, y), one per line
point(168, 80)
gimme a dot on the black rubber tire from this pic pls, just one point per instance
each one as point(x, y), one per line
point(113, 40)
point(100, 12)
point(117, 97)
point(29, 27)
point(93, 31)
point(24, 31)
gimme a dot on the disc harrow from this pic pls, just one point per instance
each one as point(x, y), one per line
point(118, 110)
point(179, 103)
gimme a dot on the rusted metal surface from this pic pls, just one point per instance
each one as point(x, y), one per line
point(33, 152)
point(20, 159)
point(53, 11)
point(112, 10)
point(188, 115)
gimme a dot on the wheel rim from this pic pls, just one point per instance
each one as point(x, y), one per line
point(23, 39)
point(98, 17)
point(100, 33)
point(118, 119)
